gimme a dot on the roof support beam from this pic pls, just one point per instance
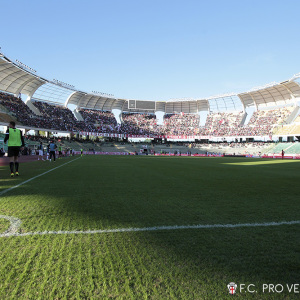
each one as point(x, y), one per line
point(68, 99)
point(291, 93)
point(91, 97)
point(256, 106)
point(244, 107)
point(79, 101)
point(104, 103)
point(112, 104)
point(277, 89)
point(267, 90)
point(32, 93)
point(261, 96)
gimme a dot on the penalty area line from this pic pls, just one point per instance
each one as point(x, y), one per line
point(16, 186)
point(158, 228)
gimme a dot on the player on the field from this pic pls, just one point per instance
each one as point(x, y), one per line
point(81, 151)
point(48, 152)
point(15, 143)
point(2, 152)
point(52, 148)
point(60, 151)
point(41, 151)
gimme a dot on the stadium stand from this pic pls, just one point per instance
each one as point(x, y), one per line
point(278, 147)
point(181, 124)
point(295, 130)
point(58, 117)
point(297, 120)
point(283, 129)
point(293, 149)
point(5, 118)
point(262, 122)
point(98, 118)
point(289, 129)
point(218, 124)
point(16, 107)
point(222, 124)
point(139, 124)
point(234, 148)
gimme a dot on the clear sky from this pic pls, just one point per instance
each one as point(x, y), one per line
point(158, 49)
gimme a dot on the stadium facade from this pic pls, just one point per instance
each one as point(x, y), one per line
point(17, 78)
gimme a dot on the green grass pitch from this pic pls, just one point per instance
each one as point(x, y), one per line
point(109, 192)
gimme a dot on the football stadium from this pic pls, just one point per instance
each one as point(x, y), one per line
point(108, 197)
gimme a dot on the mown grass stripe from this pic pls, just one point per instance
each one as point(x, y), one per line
point(50, 264)
point(23, 259)
point(40, 272)
point(61, 269)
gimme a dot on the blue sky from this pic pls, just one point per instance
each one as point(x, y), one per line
point(155, 50)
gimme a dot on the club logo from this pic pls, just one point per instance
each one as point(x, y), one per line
point(232, 288)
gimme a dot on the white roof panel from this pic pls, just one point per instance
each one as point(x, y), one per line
point(15, 80)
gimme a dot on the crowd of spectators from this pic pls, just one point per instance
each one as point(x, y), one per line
point(97, 120)
point(230, 124)
point(221, 145)
point(181, 124)
point(262, 121)
point(16, 107)
point(222, 124)
point(57, 117)
point(132, 123)
point(140, 124)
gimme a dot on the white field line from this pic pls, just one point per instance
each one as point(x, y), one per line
point(15, 224)
point(16, 186)
point(158, 228)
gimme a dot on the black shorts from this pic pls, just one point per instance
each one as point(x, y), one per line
point(13, 151)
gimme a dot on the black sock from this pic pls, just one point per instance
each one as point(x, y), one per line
point(11, 165)
point(17, 166)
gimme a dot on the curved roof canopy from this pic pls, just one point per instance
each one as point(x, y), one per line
point(277, 94)
point(94, 101)
point(17, 78)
